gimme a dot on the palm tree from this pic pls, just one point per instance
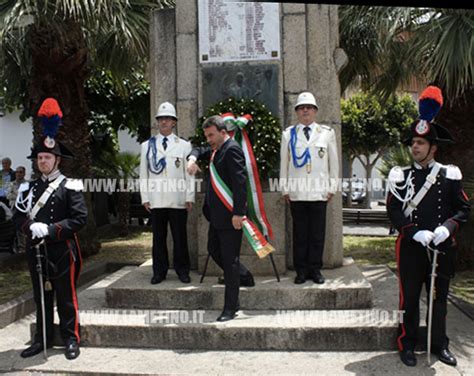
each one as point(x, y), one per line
point(389, 46)
point(47, 49)
point(399, 156)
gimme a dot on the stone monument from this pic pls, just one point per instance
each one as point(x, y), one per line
point(203, 51)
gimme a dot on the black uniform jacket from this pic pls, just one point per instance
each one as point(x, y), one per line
point(65, 213)
point(445, 204)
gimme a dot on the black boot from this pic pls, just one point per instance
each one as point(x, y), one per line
point(300, 278)
point(34, 349)
point(318, 277)
point(247, 280)
point(72, 349)
point(408, 358)
point(447, 357)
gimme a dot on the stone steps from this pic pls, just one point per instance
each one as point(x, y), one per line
point(342, 330)
point(271, 329)
point(345, 288)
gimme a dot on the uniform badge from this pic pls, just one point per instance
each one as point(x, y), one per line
point(321, 152)
point(49, 142)
point(422, 128)
point(177, 162)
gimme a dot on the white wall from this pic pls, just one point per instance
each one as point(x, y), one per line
point(128, 143)
point(15, 140)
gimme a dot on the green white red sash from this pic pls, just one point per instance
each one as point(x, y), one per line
point(255, 238)
point(236, 127)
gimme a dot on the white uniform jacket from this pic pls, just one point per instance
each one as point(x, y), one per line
point(173, 186)
point(319, 176)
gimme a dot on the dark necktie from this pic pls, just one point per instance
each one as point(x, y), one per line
point(165, 140)
point(307, 131)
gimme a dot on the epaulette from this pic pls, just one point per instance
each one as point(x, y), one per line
point(184, 139)
point(328, 128)
point(396, 174)
point(453, 172)
point(74, 184)
point(23, 187)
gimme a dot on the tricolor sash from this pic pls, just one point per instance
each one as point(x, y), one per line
point(256, 206)
point(255, 238)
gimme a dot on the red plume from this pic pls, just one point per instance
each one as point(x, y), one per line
point(50, 108)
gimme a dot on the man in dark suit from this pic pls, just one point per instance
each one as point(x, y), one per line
point(225, 221)
point(204, 153)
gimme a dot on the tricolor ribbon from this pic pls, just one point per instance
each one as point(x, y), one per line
point(255, 238)
point(256, 206)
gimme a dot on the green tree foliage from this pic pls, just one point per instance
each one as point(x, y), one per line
point(370, 128)
point(398, 156)
point(115, 105)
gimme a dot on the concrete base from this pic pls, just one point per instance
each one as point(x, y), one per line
point(251, 330)
point(276, 329)
point(146, 361)
point(345, 288)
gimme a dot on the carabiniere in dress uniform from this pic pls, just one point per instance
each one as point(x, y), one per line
point(50, 211)
point(427, 205)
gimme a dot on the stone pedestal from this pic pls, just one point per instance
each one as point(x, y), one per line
point(310, 60)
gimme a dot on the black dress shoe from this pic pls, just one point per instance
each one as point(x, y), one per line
point(72, 350)
point(299, 279)
point(185, 278)
point(447, 357)
point(318, 277)
point(408, 358)
point(247, 281)
point(226, 316)
point(34, 349)
point(157, 279)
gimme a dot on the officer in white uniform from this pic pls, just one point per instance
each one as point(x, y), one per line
point(309, 169)
point(167, 191)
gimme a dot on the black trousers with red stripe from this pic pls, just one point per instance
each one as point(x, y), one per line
point(414, 270)
point(62, 266)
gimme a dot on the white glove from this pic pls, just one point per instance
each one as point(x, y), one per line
point(424, 237)
point(39, 230)
point(441, 234)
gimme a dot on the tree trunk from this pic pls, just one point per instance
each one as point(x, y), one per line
point(368, 175)
point(59, 70)
point(458, 120)
point(369, 167)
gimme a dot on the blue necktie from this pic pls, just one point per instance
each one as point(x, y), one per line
point(165, 145)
